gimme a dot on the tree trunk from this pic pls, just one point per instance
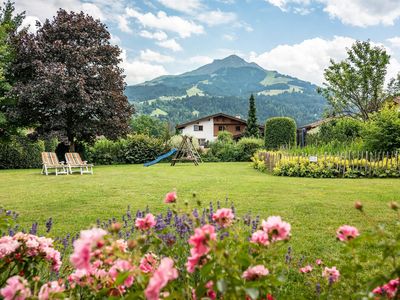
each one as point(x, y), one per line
point(71, 141)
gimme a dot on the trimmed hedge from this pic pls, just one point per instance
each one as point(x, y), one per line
point(21, 153)
point(135, 149)
point(280, 132)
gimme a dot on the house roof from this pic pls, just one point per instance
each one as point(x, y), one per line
point(315, 124)
point(180, 126)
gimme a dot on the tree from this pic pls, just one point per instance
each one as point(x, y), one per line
point(355, 86)
point(382, 131)
point(150, 126)
point(9, 23)
point(280, 132)
point(67, 80)
point(393, 89)
point(252, 129)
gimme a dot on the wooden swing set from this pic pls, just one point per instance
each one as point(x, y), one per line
point(187, 152)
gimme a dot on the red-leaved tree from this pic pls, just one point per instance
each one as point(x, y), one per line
point(67, 80)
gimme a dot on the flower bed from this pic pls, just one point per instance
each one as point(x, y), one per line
point(348, 165)
point(195, 254)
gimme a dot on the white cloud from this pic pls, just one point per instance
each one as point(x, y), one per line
point(287, 5)
point(229, 37)
point(216, 17)
point(162, 21)
point(360, 13)
point(394, 41)
point(153, 56)
point(363, 13)
point(306, 60)
point(115, 40)
point(158, 35)
point(170, 44)
point(186, 6)
point(123, 24)
point(44, 9)
point(138, 71)
point(30, 23)
point(200, 60)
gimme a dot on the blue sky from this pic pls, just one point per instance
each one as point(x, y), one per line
point(294, 37)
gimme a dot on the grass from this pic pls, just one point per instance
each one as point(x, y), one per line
point(314, 207)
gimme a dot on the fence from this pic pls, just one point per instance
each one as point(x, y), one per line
point(347, 164)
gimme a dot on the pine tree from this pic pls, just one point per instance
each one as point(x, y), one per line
point(252, 126)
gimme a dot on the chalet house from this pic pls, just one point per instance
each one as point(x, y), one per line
point(206, 129)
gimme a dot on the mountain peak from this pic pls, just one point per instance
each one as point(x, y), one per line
point(231, 61)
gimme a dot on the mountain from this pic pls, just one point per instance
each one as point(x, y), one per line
point(225, 86)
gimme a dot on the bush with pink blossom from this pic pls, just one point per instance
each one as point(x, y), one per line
point(192, 255)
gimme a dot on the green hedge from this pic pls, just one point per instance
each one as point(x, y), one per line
point(280, 132)
point(135, 149)
point(226, 149)
point(21, 153)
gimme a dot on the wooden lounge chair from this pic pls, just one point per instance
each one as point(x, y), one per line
point(50, 161)
point(74, 161)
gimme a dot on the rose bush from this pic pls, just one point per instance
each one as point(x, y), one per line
point(197, 255)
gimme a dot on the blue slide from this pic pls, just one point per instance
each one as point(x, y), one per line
point(158, 159)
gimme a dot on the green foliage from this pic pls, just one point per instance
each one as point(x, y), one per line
point(248, 146)
point(21, 153)
point(280, 132)
point(382, 131)
point(252, 129)
point(135, 149)
point(225, 149)
point(347, 165)
point(150, 126)
point(225, 137)
point(334, 146)
point(343, 130)
point(9, 22)
point(355, 86)
point(142, 148)
point(50, 144)
point(176, 140)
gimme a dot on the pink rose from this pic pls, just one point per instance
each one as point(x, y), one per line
point(389, 289)
point(165, 273)
point(306, 269)
point(17, 288)
point(145, 223)
point(48, 290)
point(223, 217)
point(346, 233)
point(319, 262)
point(277, 229)
point(170, 197)
point(8, 245)
point(122, 266)
point(83, 246)
point(148, 263)
point(331, 274)
point(256, 272)
point(260, 237)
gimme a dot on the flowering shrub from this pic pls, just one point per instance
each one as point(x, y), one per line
point(327, 166)
point(192, 255)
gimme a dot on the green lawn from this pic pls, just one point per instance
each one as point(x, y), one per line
point(314, 207)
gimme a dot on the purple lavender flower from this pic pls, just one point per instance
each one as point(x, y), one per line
point(318, 289)
point(34, 228)
point(49, 224)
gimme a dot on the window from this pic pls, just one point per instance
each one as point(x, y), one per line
point(198, 128)
point(221, 128)
point(238, 128)
point(202, 142)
